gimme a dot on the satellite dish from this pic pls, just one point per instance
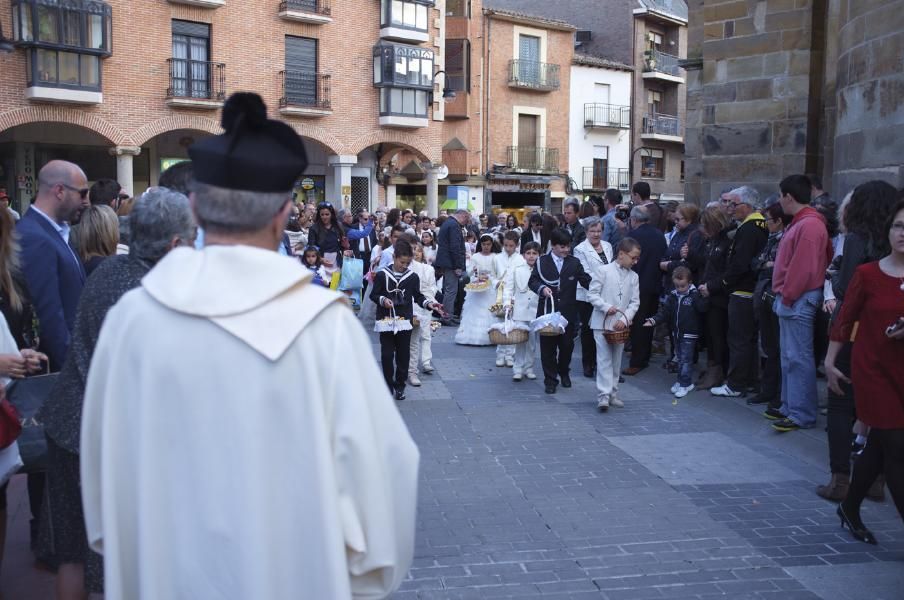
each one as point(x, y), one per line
point(442, 172)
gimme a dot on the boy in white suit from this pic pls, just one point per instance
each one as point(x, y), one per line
point(422, 335)
point(506, 262)
point(525, 309)
point(615, 296)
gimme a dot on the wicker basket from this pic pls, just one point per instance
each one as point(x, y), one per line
point(478, 285)
point(415, 322)
point(513, 337)
point(550, 330)
point(616, 337)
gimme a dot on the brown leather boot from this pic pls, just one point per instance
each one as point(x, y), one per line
point(714, 377)
point(837, 488)
point(877, 490)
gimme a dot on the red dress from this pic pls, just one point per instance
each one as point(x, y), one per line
point(874, 301)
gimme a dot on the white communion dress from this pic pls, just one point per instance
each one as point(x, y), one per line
point(476, 317)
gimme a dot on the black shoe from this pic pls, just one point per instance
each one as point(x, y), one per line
point(773, 414)
point(621, 379)
point(550, 388)
point(400, 394)
point(566, 381)
point(785, 425)
point(589, 373)
point(859, 530)
point(757, 400)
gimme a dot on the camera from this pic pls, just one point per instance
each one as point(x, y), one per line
point(622, 212)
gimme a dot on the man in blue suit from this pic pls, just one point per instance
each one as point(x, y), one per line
point(53, 274)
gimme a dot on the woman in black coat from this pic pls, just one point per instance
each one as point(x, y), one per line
point(718, 231)
point(328, 236)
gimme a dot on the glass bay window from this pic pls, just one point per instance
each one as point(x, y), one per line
point(406, 14)
point(404, 75)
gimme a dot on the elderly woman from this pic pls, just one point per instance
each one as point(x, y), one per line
point(160, 221)
point(594, 254)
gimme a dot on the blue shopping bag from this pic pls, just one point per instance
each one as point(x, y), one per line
point(352, 277)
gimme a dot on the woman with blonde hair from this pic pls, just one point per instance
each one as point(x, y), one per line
point(97, 237)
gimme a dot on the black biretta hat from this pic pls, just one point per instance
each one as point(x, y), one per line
point(255, 154)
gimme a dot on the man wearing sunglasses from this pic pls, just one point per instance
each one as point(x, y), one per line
point(53, 273)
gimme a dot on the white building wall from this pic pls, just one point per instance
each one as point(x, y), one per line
point(588, 85)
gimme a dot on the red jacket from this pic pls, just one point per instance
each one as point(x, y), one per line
point(803, 256)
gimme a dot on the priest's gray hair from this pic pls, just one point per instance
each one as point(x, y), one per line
point(228, 212)
point(158, 216)
point(747, 195)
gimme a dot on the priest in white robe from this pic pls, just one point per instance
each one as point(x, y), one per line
point(237, 439)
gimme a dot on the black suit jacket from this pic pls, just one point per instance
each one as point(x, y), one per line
point(652, 251)
point(564, 285)
point(528, 236)
point(450, 252)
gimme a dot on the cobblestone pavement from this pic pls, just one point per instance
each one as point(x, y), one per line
point(528, 495)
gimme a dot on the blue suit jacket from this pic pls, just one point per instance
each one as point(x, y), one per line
point(55, 277)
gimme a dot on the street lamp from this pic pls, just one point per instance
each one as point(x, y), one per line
point(448, 93)
point(631, 164)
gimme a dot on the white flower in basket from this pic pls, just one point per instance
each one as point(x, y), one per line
point(552, 323)
point(508, 332)
point(392, 323)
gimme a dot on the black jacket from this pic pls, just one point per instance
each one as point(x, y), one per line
point(528, 236)
point(327, 240)
point(450, 251)
point(696, 253)
point(402, 291)
point(684, 314)
point(716, 262)
point(564, 285)
point(748, 242)
point(576, 232)
point(652, 249)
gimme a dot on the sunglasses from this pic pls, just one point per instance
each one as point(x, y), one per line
point(324, 205)
point(83, 192)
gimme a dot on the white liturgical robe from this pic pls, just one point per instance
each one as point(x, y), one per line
point(238, 440)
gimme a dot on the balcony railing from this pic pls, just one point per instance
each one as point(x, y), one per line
point(314, 7)
point(533, 75)
point(594, 179)
point(657, 124)
point(607, 115)
point(196, 79)
point(533, 160)
point(654, 60)
point(304, 89)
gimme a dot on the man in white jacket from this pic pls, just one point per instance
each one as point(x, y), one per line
point(238, 440)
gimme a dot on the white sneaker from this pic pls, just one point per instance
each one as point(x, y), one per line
point(509, 362)
point(516, 377)
point(500, 361)
point(724, 391)
point(530, 375)
point(681, 392)
point(602, 403)
point(616, 402)
point(413, 380)
point(675, 387)
point(428, 368)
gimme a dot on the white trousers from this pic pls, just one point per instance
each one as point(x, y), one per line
point(608, 364)
point(421, 347)
point(506, 351)
point(525, 355)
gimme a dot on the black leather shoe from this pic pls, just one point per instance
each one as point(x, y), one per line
point(858, 530)
point(621, 379)
point(566, 381)
point(399, 395)
point(757, 400)
point(550, 388)
point(589, 373)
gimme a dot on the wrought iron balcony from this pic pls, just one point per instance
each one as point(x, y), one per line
point(607, 116)
point(656, 62)
point(196, 83)
point(533, 75)
point(306, 11)
point(305, 90)
point(664, 127)
point(603, 179)
point(533, 160)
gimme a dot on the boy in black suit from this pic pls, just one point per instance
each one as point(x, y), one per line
point(557, 276)
point(395, 287)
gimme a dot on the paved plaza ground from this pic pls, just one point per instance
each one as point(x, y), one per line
point(528, 495)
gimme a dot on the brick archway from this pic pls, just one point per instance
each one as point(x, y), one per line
point(414, 143)
point(62, 114)
point(176, 122)
point(318, 134)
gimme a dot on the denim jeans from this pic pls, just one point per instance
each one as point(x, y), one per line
point(684, 355)
point(800, 399)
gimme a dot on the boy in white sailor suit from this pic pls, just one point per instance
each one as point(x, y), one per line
point(395, 287)
point(524, 301)
point(506, 263)
point(615, 296)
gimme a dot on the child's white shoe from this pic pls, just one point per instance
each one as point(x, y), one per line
point(530, 375)
point(616, 402)
point(675, 387)
point(681, 392)
point(500, 361)
point(516, 377)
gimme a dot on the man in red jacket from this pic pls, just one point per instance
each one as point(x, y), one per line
point(803, 255)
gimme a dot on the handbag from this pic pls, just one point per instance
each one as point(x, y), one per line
point(28, 395)
point(352, 277)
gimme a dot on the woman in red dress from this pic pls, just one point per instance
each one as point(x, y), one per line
point(873, 306)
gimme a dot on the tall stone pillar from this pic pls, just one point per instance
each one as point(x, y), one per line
point(391, 196)
point(124, 171)
point(433, 191)
point(341, 191)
